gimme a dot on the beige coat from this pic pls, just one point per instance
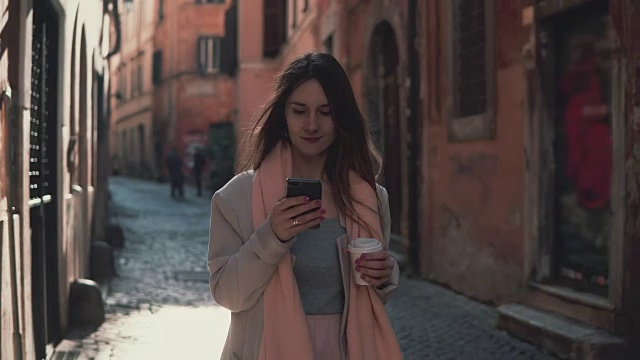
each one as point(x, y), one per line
point(242, 261)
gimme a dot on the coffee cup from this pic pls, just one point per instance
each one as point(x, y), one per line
point(356, 248)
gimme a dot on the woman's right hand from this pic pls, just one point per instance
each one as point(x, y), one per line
point(287, 221)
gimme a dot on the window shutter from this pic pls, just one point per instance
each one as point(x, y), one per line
point(157, 67)
point(229, 51)
point(275, 26)
point(202, 54)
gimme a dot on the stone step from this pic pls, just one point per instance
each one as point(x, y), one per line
point(558, 335)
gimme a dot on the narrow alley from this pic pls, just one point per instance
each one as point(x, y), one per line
point(507, 130)
point(159, 307)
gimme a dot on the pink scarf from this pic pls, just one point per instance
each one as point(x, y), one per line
point(285, 334)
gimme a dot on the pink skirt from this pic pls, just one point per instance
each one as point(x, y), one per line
point(325, 336)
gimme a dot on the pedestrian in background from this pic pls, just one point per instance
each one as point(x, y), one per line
point(290, 288)
point(198, 165)
point(174, 166)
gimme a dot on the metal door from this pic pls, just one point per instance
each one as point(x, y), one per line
point(43, 179)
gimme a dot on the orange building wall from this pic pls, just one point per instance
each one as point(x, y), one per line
point(475, 190)
point(471, 195)
point(134, 110)
point(256, 76)
point(187, 102)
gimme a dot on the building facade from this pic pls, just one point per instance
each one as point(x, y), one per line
point(368, 38)
point(507, 130)
point(132, 117)
point(194, 78)
point(52, 78)
point(175, 86)
point(527, 190)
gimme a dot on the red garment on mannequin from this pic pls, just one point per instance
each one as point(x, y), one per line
point(589, 144)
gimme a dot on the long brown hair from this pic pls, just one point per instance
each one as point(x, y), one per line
point(352, 148)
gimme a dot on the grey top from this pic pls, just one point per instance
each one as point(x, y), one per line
point(317, 269)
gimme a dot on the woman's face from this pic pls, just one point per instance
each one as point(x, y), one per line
point(309, 121)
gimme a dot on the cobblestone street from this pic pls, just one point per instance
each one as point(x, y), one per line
point(159, 307)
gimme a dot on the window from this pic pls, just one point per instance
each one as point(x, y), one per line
point(294, 10)
point(123, 82)
point(140, 74)
point(471, 75)
point(275, 26)
point(160, 10)
point(328, 44)
point(209, 54)
point(472, 67)
point(133, 86)
point(229, 57)
point(157, 67)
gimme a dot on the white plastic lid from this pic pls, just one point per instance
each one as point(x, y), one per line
point(364, 244)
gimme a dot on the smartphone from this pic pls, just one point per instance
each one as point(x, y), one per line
point(305, 187)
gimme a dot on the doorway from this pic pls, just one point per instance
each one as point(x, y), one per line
point(578, 193)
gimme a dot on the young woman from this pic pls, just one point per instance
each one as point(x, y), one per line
point(289, 287)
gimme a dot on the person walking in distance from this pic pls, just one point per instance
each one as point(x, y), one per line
point(198, 165)
point(174, 166)
point(294, 291)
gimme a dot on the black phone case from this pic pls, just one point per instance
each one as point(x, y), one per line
point(305, 187)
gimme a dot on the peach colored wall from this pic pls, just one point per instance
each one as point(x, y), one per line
point(254, 86)
point(363, 19)
point(472, 193)
point(202, 102)
point(305, 41)
point(193, 21)
point(75, 119)
point(478, 198)
point(304, 37)
point(474, 190)
point(256, 76)
point(128, 157)
point(250, 30)
point(79, 24)
point(356, 28)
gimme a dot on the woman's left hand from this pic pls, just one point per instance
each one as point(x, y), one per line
point(375, 268)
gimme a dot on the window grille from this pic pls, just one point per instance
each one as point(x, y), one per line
point(470, 74)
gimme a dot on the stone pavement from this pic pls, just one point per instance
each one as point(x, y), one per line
point(432, 322)
point(159, 307)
